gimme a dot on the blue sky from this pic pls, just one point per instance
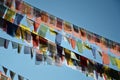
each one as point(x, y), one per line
point(101, 17)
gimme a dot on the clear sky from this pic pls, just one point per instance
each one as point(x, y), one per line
point(99, 16)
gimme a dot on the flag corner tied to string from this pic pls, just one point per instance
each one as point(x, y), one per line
point(80, 46)
point(58, 38)
point(5, 69)
point(12, 74)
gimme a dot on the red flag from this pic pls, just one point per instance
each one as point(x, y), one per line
point(76, 31)
point(59, 24)
point(44, 17)
point(67, 27)
point(83, 35)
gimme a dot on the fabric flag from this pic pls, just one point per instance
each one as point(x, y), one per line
point(118, 63)
point(23, 30)
point(58, 38)
point(36, 12)
point(68, 27)
point(26, 9)
point(103, 44)
point(73, 56)
point(97, 39)
point(49, 60)
point(30, 24)
point(44, 16)
point(116, 50)
point(9, 15)
point(27, 50)
point(59, 24)
point(43, 46)
point(67, 55)
point(28, 36)
point(5, 69)
point(113, 60)
point(35, 40)
point(6, 43)
point(105, 58)
point(2, 41)
point(39, 57)
point(14, 45)
point(73, 42)
point(12, 75)
point(52, 21)
point(2, 10)
point(43, 30)
point(18, 5)
point(94, 50)
point(36, 23)
point(90, 66)
point(51, 49)
point(80, 46)
point(37, 16)
point(20, 77)
point(11, 29)
point(18, 32)
point(83, 35)
point(19, 48)
point(18, 18)
point(59, 51)
point(83, 62)
point(8, 3)
point(90, 37)
point(76, 31)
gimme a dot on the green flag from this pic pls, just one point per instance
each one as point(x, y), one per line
point(43, 30)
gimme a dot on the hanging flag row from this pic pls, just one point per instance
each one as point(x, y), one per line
point(36, 41)
point(72, 32)
point(53, 54)
point(3, 75)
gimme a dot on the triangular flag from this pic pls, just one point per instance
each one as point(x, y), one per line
point(4, 69)
point(20, 77)
point(73, 56)
point(12, 75)
point(19, 48)
point(6, 43)
point(2, 41)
